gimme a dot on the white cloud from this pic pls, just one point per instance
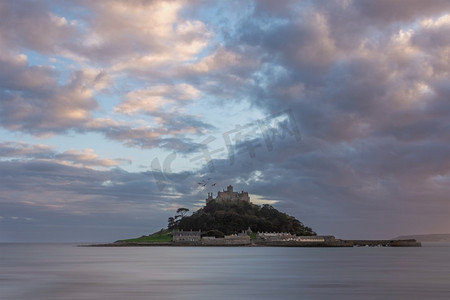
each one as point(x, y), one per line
point(157, 98)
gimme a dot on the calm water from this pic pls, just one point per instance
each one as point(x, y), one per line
point(68, 272)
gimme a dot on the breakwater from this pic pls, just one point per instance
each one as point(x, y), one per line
point(385, 243)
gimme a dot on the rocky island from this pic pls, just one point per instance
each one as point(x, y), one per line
point(230, 219)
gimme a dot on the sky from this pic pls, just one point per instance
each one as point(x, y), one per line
point(111, 112)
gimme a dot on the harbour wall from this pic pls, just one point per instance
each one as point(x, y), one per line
point(385, 243)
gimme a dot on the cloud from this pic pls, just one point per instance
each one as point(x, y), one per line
point(38, 100)
point(28, 24)
point(389, 12)
point(138, 35)
point(87, 158)
point(20, 151)
point(219, 61)
point(157, 98)
point(365, 80)
point(379, 85)
point(62, 199)
point(34, 102)
point(147, 137)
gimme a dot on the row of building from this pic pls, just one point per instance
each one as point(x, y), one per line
point(243, 237)
point(196, 238)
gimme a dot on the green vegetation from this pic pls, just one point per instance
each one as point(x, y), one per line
point(174, 221)
point(161, 236)
point(229, 218)
point(219, 219)
point(214, 233)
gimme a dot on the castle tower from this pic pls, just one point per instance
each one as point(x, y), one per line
point(229, 196)
point(210, 197)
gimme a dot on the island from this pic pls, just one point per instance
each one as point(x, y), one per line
point(231, 219)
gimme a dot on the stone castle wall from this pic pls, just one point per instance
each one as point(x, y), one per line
point(227, 241)
point(229, 196)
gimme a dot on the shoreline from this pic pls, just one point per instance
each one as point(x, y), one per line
point(334, 244)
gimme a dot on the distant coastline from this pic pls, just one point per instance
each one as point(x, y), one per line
point(428, 238)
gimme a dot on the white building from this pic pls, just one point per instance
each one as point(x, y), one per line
point(186, 236)
point(311, 239)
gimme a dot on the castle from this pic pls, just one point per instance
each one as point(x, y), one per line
point(229, 196)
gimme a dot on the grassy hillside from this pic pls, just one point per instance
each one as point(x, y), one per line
point(157, 237)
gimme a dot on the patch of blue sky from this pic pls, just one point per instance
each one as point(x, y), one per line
point(72, 13)
point(230, 126)
point(224, 115)
point(222, 16)
point(107, 101)
point(16, 136)
point(115, 95)
point(178, 163)
point(35, 59)
point(123, 83)
point(63, 65)
point(267, 73)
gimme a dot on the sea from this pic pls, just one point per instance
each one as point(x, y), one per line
point(66, 271)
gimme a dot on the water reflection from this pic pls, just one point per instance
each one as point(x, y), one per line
point(68, 272)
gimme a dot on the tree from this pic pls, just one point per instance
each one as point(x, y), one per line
point(229, 218)
point(172, 223)
point(182, 211)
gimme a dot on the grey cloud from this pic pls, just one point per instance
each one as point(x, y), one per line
point(398, 10)
point(16, 75)
point(432, 38)
point(89, 205)
point(146, 138)
point(30, 24)
point(87, 158)
point(180, 122)
point(13, 149)
point(354, 96)
point(34, 102)
point(41, 106)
